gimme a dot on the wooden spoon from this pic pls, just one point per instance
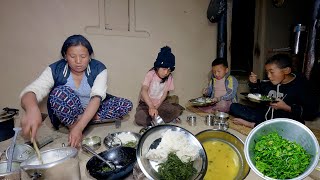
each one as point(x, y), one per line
point(35, 146)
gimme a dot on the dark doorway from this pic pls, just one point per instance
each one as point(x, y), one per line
point(242, 36)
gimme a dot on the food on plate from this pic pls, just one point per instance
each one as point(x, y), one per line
point(174, 150)
point(127, 139)
point(223, 160)
point(105, 168)
point(204, 100)
point(280, 158)
point(176, 142)
point(259, 97)
point(174, 168)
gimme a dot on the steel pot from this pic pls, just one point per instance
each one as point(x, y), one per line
point(7, 124)
point(15, 171)
point(60, 163)
point(289, 129)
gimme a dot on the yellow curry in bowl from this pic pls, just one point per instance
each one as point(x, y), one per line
point(223, 160)
point(225, 155)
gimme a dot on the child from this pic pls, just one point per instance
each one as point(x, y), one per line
point(154, 91)
point(77, 89)
point(222, 87)
point(286, 87)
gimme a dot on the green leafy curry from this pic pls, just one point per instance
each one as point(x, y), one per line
point(174, 168)
point(280, 158)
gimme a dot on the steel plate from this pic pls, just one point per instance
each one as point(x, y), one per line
point(151, 139)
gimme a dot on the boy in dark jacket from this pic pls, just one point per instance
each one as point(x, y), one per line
point(287, 88)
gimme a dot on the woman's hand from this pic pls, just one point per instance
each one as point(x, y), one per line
point(280, 104)
point(31, 121)
point(253, 78)
point(153, 112)
point(75, 137)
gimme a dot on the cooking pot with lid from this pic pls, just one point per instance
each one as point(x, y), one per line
point(7, 123)
point(60, 163)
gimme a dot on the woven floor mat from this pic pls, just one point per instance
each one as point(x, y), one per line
point(240, 128)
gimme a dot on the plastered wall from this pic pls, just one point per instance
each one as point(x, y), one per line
point(32, 33)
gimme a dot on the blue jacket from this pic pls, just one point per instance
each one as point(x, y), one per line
point(231, 88)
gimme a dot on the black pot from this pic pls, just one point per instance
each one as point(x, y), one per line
point(120, 156)
point(7, 123)
point(6, 128)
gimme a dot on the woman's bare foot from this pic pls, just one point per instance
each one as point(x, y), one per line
point(240, 121)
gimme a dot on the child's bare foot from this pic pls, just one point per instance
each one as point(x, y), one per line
point(240, 121)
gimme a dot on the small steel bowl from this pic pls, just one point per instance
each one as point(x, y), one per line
point(209, 120)
point(221, 116)
point(94, 142)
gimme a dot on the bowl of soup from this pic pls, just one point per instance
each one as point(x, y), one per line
point(225, 155)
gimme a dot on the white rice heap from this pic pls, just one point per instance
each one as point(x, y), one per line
point(176, 142)
point(253, 96)
point(126, 138)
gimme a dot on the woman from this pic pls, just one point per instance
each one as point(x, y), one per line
point(77, 88)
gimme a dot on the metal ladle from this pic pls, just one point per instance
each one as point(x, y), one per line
point(109, 163)
point(13, 142)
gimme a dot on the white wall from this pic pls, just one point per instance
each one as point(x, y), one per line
point(32, 33)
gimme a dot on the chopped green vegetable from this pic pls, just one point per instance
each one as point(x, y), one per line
point(280, 158)
point(104, 169)
point(174, 169)
point(131, 144)
point(265, 98)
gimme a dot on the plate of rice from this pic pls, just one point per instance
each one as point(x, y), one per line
point(125, 138)
point(202, 101)
point(166, 146)
point(255, 97)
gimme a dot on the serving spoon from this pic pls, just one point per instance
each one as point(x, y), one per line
point(109, 163)
point(11, 149)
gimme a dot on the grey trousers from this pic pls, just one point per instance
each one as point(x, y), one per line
point(167, 111)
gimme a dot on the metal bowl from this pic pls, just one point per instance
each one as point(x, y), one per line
point(230, 139)
point(221, 116)
point(15, 170)
point(209, 120)
point(144, 129)
point(21, 152)
point(123, 158)
point(111, 140)
point(151, 139)
point(289, 129)
point(94, 142)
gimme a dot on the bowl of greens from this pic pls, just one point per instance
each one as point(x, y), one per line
point(282, 149)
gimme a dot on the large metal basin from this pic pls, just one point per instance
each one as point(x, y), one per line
point(289, 129)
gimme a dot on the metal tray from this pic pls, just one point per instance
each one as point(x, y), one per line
point(246, 95)
point(151, 139)
point(201, 101)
